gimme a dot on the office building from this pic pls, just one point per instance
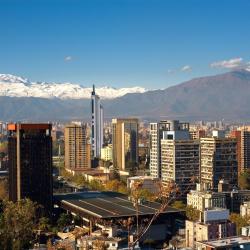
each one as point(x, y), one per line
point(96, 125)
point(156, 134)
point(125, 143)
point(180, 160)
point(30, 163)
point(218, 161)
point(77, 155)
point(243, 149)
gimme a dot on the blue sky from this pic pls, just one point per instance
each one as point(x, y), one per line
point(121, 43)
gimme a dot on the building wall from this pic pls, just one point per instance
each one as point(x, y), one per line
point(218, 161)
point(96, 125)
point(30, 163)
point(106, 153)
point(125, 142)
point(180, 163)
point(76, 148)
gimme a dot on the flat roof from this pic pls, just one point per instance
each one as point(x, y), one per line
point(230, 241)
point(35, 126)
point(106, 204)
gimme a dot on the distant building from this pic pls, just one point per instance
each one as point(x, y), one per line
point(243, 149)
point(156, 134)
point(96, 125)
point(106, 153)
point(30, 163)
point(218, 161)
point(125, 142)
point(77, 150)
point(180, 161)
point(197, 134)
point(148, 183)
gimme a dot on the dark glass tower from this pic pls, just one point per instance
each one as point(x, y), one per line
point(30, 163)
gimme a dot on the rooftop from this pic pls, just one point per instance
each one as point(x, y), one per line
point(225, 242)
point(106, 204)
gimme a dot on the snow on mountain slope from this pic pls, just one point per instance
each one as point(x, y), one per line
point(15, 86)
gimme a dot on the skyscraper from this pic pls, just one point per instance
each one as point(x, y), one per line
point(76, 148)
point(180, 160)
point(125, 142)
point(218, 161)
point(30, 163)
point(96, 125)
point(156, 134)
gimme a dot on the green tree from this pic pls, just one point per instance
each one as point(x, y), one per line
point(244, 180)
point(240, 221)
point(17, 224)
point(192, 213)
point(44, 224)
point(178, 205)
point(96, 185)
point(63, 221)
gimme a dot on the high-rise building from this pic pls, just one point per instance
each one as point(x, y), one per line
point(77, 157)
point(243, 149)
point(180, 160)
point(218, 161)
point(30, 163)
point(124, 142)
point(96, 125)
point(156, 134)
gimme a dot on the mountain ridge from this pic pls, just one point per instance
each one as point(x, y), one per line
point(15, 86)
point(223, 96)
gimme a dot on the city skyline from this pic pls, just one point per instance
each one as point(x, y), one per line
point(130, 43)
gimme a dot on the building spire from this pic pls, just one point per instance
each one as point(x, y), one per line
point(93, 92)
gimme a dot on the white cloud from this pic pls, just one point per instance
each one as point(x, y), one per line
point(186, 68)
point(68, 58)
point(228, 64)
point(171, 71)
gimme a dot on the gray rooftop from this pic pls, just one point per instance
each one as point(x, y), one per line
point(106, 204)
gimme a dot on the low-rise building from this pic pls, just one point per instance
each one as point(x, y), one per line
point(202, 199)
point(149, 183)
point(213, 224)
point(236, 242)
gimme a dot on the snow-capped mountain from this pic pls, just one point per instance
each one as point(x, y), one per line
point(15, 86)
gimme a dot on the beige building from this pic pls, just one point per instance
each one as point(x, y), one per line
point(125, 142)
point(180, 163)
point(202, 199)
point(106, 153)
point(245, 209)
point(77, 150)
point(218, 161)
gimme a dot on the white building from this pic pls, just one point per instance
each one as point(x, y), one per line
point(156, 134)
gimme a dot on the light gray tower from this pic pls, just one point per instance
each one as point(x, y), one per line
point(96, 125)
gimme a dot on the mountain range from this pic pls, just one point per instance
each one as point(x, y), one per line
point(224, 96)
